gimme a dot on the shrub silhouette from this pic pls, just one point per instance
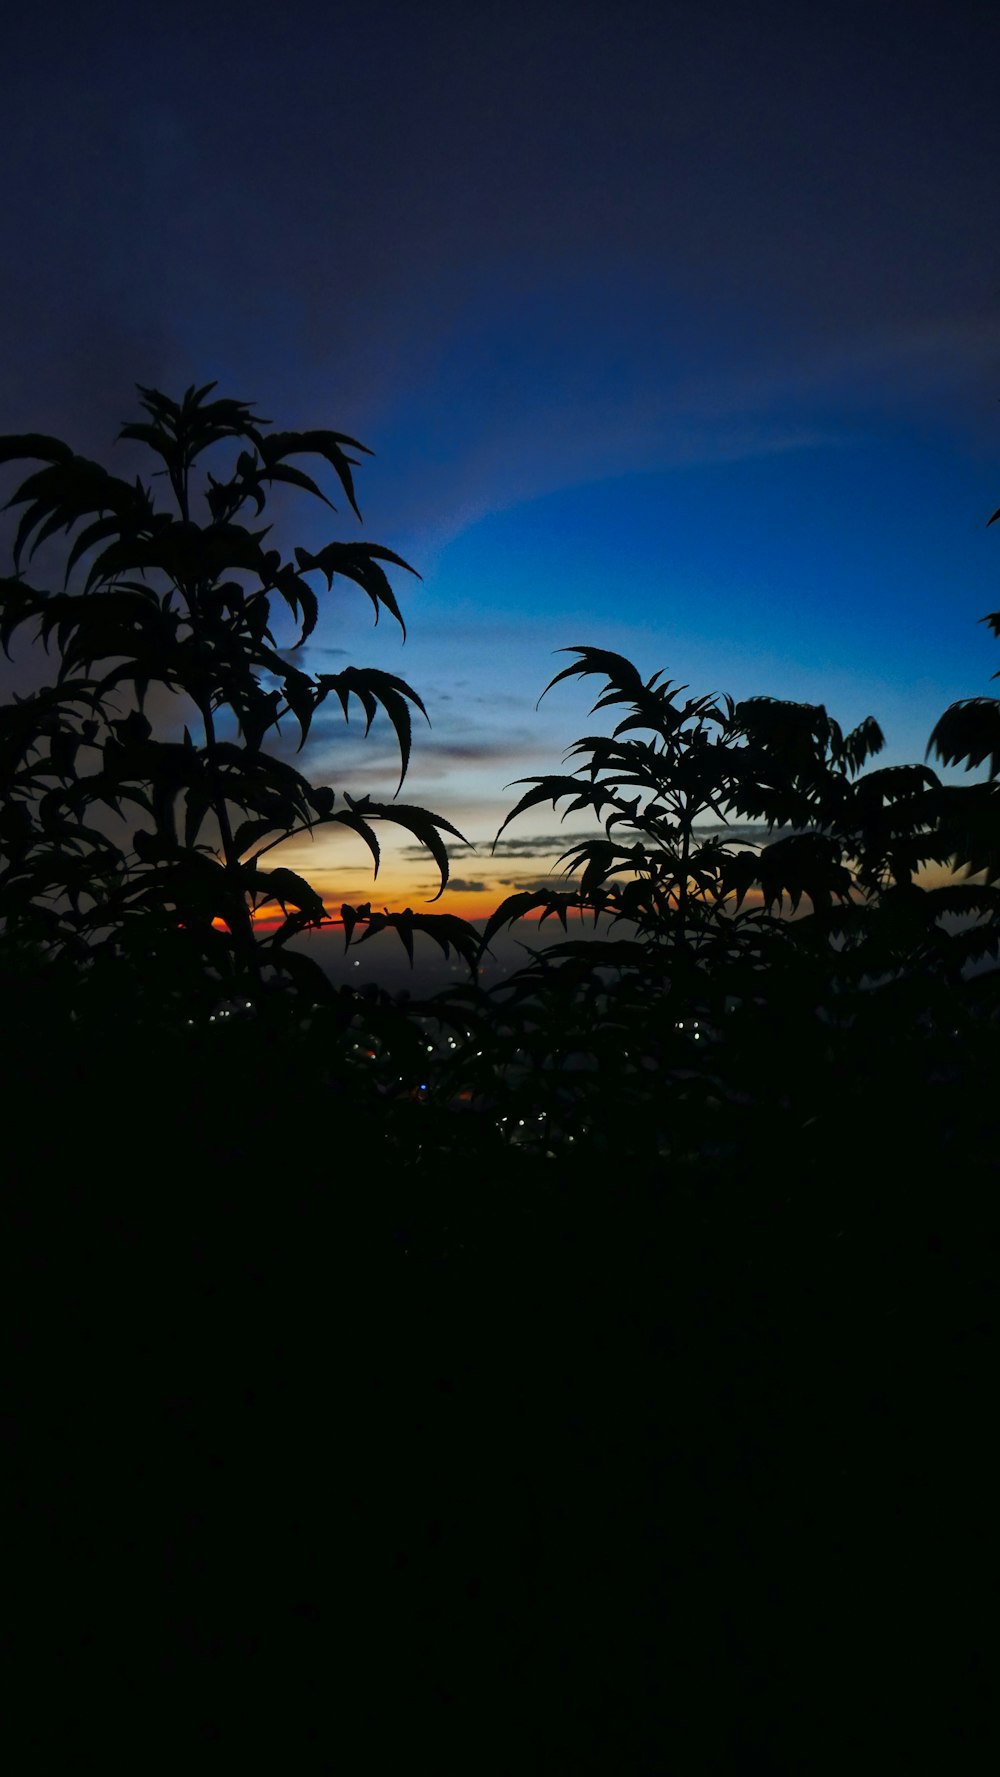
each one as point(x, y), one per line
point(968, 734)
point(135, 857)
point(779, 984)
point(771, 972)
point(774, 1001)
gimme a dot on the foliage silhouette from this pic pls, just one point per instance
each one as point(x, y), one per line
point(135, 852)
point(776, 969)
point(968, 734)
point(773, 1003)
point(774, 965)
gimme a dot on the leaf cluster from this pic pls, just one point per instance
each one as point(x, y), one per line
point(781, 932)
point(143, 790)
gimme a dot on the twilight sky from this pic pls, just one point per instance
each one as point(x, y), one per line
point(675, 329)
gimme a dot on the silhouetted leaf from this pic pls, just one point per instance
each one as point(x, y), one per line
point(15, 446)
point(862, 743)
point(623, 677)
point(372, 687)
point(350, 917)
point(324, 444)
point(969, 734)
point(359, 562)
point(308, 979)
point(518, 906)
point(301, 698)
point(18, 603)
point(425, 827)
point(357, 824)
point(248, 833)
point(300, 598)
point(294, 478)
point(88, 538)
point(288, 889)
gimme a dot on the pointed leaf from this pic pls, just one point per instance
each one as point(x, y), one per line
point(357, 824)
point(622, 675)
point(517, 906)
point(324, 444)
point(295, 478)
point(15, 446)
point(288, 889)
point(425, 827)
point(248, 833)
point(359, 562)
point(372, 687)
point(298, 596)
point(969, 734)
point(308, 978)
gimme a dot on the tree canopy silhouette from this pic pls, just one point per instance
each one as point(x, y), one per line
point(785, 941)
point(141, 801)
point(784, 952)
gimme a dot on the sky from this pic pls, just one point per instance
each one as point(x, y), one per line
point(674, 328)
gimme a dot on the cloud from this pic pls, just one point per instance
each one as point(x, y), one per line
point(544, 844)
point(470, 752)
point(296, 656)
point(448, 743)
point(458, 887)
point(456, 849)
point(561, 885)
point(541, 847)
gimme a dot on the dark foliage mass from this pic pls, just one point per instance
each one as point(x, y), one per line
point(796, 973)
point(774, 984)
point(681, 1437)
point(136, 852)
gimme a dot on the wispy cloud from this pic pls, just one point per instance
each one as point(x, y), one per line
point(563, 885)
point(536, 847)
point(457, 886)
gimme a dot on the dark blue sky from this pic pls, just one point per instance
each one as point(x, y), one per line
point(675, 328)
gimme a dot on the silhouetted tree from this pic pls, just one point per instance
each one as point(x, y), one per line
point(968, 734)
point(772, 966)
point(779, 974)
point(135, 850)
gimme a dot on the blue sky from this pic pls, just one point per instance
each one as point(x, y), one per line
point(675, 329)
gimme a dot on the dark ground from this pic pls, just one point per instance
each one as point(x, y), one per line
point(604, 1482)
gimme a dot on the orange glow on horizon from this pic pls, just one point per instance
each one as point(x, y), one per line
point(479, 907)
